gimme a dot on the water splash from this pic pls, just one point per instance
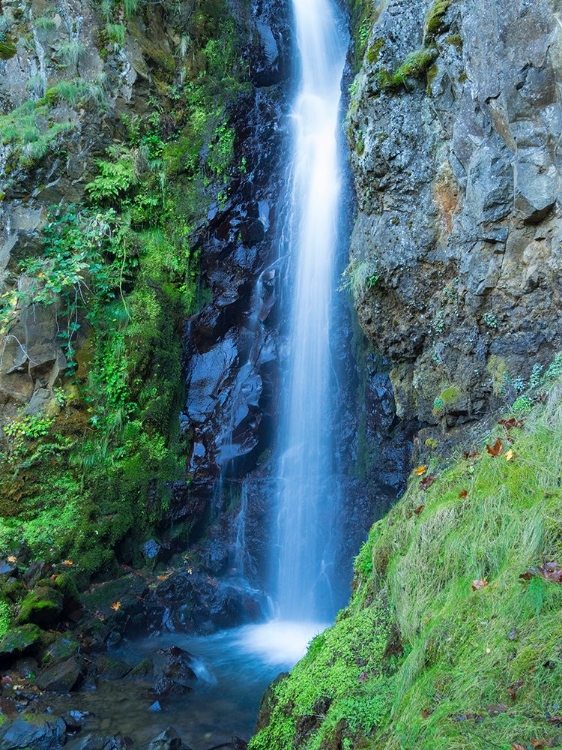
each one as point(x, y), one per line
point(308, 501)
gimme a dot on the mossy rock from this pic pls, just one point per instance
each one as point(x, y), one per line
point(42, 606)
point(19, 641)
point(7, 50)
point(63, 648)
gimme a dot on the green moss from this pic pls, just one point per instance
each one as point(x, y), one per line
point(463, 633)
point(19, 640)
point(434, 20)
point(414, 66)
point(374, 51)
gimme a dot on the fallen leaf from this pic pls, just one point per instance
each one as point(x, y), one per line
point(510, 455)
point(509, 424)
point(496, 449)
point(517, 746)
point(512, 689)
point(426, 713)
point(550, 571)
point(542, 743)
point(471, 454)
point(12, 559)
point(464, 493)
point(554, 719)
point(496, 708)
point(420, 470)
point(67, 562)
point(479, 583)
point(116, 606)
point(419, 509)
point(427, 481)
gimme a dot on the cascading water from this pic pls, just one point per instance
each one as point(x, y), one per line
point(308, 504)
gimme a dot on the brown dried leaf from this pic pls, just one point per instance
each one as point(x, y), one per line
point(542, 743)
point(512, 689)
point(471, 454)
point(496, 449)
point(496, 708)
point(517, 746)
point(419, 509)
point(427, 481)
point(426, 713)
point(479, 583)
point(554, 719)
point(463, 494)
point(420, 470)
point(510, 424)
point(550, 571)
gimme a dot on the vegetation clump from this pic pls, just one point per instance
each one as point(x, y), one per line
point(468, 569)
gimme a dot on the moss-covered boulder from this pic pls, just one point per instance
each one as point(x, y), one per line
point(42, 606)
point(19, 641)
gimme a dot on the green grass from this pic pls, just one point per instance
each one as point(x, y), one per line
point(441, 667)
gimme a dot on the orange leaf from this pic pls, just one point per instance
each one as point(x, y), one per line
point(420, 470)
point(479, 583)
point(115, 606)
point(496, 449)
point(12, 559)
point(510, 455)
point(419, 509)
point(67, 562)
point(464, 493)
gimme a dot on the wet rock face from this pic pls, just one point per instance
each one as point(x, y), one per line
point(456, 248)
point(230, 350)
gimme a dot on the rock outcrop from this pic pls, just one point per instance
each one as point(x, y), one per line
point(456, 253)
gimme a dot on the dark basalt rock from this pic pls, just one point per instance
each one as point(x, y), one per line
point(62, 677)
point(34, 732)
point(91, 742)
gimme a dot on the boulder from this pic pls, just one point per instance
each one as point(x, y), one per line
point(61, 677)
point(19, 641)
point(33, 732)
point(43, 607)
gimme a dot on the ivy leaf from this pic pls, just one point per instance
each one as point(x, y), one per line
point(496, 449)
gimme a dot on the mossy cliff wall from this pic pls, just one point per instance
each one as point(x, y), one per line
point(456, 252)
point(123, 134)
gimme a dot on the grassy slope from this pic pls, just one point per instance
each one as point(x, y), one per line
point(420, 659)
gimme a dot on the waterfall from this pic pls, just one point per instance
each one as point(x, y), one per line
point(307, 499)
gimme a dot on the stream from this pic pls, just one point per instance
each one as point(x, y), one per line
point(234, 668)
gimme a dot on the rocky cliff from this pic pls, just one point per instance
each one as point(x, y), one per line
point(454, 129)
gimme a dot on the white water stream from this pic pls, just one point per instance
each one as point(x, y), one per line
point(308, 502)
